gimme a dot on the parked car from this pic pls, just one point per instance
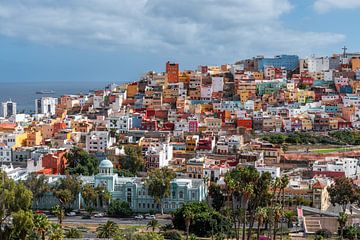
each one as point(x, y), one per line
point(139, 217)
point(150, 217)
point(86, 217)
point(71, 214)
point(99, 215)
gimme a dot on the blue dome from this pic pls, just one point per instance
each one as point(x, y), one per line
point(106, 164)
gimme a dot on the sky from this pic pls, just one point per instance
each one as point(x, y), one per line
point(119, 40)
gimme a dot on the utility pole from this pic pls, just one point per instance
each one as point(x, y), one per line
point(344, 52)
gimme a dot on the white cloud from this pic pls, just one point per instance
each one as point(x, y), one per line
point(323, 6)
point(208, 27)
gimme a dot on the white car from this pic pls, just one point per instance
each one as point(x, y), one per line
point(139, 217)
point(71, 214)
point(150, 217)
point(99, 215)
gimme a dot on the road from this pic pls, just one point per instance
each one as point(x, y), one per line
point(93, 221)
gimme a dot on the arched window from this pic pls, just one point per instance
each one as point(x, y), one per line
point(181, 194)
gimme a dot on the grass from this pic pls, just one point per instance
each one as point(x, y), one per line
point(332, 150)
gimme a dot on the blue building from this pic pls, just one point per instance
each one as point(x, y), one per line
point(289, 62)
point(134, 191)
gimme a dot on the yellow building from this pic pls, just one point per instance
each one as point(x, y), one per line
point(195, 167)
point(191, 142)
point(333, 123)
point(306, 124)
point(258, 75)
point(304, 95)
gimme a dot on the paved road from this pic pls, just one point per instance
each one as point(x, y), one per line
point(122, 221)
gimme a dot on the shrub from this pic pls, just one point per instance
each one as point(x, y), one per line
point(172, 235)
point(119, 208)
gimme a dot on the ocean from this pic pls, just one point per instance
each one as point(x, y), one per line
point(24, 93)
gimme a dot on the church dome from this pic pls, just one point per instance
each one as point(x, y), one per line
point(106, 164)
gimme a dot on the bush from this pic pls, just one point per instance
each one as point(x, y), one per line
point(351, 232)
point(323, 233)
point(172, 235)
point(119, 208)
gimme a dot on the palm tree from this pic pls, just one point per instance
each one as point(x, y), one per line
point(188, 216)
point(107, 230)
point(342, 220)
point(260, 215)
point(289, 216)
point(41, 224)
point(153, 224)
point(56, 232)
point(59, 212)
point(73, 233)
point(277, 214)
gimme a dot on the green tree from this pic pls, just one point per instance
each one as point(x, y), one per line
point(159, 184)
point(133, 160)
point(56, 232)
point(22, 224)
point(153, 224)
point(289, 216)
point(343, 192)
point(188, 217)
point(107, 230)
point(41, 224)
point(73, 233)
point(342, 220)
point(260, 216)
point(59, 212)
point(104, 195)
point(66, 190)
point(118, 208)
point(217, 196)
point(38, 185)
point(15, 203)
point(81, 162)
point(90, 196)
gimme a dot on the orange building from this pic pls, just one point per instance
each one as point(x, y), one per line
point(132, 89)
point(34, 138)
point(55, 161)
point(355, 64)
point(172, 72)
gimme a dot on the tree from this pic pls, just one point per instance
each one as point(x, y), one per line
point(217, 196)
point(59, 212)
point(342, 220)
point(133, 160)
point(16, 202)
point(118, 208)
point(206, 221)
point(90, 196)
point(188, 217)
point(342, 192)
point(260, 215)
point(80, 162)
point(153, 224)
point(107, 230)
point(104, 195)
point(66, 190)
point(41, 224)
point(73, 233)
point(56, 232)
point(289, 216)
point(22, 224)
point(38, 185)
point(158, 184)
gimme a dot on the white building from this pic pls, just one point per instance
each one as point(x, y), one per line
point(334, 164)
point(98, 141)
point(274, 171)
point(351, 100)
point(180, 127)
point(8, 109)
point(318, 64)
point(121, 124)
point(217, 84)
point(45, 105)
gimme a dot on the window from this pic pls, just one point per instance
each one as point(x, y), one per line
point(173, 194)
point(181, 194)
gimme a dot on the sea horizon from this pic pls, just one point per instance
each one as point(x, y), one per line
point(24, 92)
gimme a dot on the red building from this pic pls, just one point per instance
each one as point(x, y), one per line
point(56, 162)
point(172, 72)
point(246, 123)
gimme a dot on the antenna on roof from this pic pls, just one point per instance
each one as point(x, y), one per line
point(344, 53)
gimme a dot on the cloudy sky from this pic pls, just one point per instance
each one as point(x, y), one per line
point(118, 40)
